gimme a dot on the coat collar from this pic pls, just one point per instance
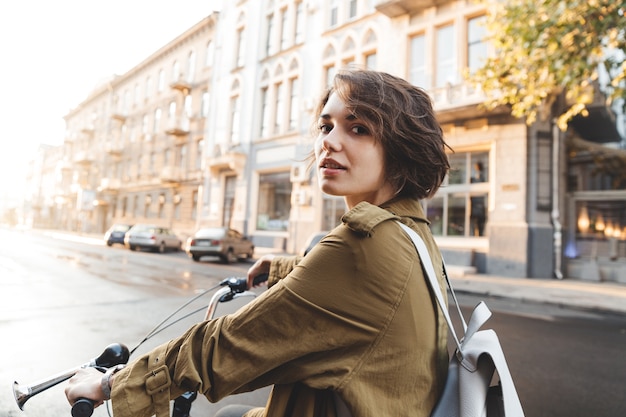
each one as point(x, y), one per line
point(364, 217)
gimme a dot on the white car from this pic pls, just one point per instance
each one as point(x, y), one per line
point(152, 237)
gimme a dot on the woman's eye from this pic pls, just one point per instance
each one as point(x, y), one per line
point(360, 130)
point(324, 128)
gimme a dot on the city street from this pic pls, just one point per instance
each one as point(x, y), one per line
point(63, 300)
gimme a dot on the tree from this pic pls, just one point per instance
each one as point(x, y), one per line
point(549, 47)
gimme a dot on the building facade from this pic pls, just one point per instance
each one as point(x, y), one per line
point(215, 129)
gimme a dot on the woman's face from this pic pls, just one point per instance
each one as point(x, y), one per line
point(349, 161)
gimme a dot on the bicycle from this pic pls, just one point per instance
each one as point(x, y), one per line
point(118, 354)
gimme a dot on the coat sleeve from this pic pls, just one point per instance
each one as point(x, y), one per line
point(276, 339)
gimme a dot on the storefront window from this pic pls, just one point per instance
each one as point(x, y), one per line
point(274, 202)
point(461, 205)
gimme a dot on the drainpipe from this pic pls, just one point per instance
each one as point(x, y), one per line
point(556, 195)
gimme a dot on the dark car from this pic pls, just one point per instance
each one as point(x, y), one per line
point(312, 241)
point(223, 242)
point(116, 234)
point(152, 237)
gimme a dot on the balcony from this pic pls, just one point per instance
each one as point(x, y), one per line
point(113, 149)
point(181, 84)
point(171, 174)
point(109, 184)
point(118, 116)
point(226, 160)
point(178, 127)
point(395, 8)
point(82, 158)
point(88, 130)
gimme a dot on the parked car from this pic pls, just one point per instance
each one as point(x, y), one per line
point(312, 241)
point(116, 234)
point(226, 243)
point(149, 236)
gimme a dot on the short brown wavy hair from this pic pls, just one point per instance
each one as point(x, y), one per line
point(399, 115)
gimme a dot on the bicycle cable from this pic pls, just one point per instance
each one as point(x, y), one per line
point(158, 328)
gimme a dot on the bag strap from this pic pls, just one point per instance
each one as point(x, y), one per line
point(427, 263)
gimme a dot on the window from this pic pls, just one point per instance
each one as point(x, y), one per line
point(161, 81)
point(234, 120)
point(188, 105)
point(370, 61)
point(460, 208)
point(274, 202)
point(148, 87)
point(136, 205)
point(166, 157)
point(171, 111)
point(446, 62)
point(269, 47)
point(204, 105)
point(191, 66)
point(299, 35)
point(352, 8)
point(284, 33)
point(279, 113)
point(146, 206)
point(265, 113)
point(194, 206)
point(417, 70)
point(293, 103)
point(156, 121)
point(476, 45)
point(230, 183)
point(209, 54)
point(144, 124)
point(175, 71)
point(182, 158)
point(330, 74)
point(334, 13)
point(161, 206)
point(199, 153)
point(241, 46)
point(136, 94)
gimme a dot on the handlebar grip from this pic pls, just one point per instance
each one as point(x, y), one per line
point(82, 408)
point(259, 279)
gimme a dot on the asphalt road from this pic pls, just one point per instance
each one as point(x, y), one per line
point(63, 301)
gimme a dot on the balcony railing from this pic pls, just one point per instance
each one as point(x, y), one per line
point(83, 158)
point(181, 84)
point(394, 8)
point(113, 149)
point(458, 95)
point(109, 184)
point(178, 127)
point(171, 174)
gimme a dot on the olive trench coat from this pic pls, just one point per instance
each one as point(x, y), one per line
point(354, 318)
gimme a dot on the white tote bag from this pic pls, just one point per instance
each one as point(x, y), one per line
point(468, 391)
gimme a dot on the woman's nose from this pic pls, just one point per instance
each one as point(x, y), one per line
point(331, 142)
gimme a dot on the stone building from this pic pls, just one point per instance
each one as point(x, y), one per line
point(214, 129)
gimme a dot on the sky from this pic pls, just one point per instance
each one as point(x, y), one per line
point(54, 52)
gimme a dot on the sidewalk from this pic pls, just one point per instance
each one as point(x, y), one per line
point(585, 295)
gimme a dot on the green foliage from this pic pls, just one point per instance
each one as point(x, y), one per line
point(544, 48)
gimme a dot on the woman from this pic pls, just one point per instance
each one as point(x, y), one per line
point(350, 329)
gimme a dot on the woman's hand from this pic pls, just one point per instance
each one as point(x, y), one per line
point(86, 383)
point(261, 266)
